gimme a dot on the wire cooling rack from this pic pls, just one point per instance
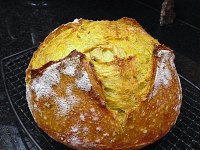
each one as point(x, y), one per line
point(184, 135)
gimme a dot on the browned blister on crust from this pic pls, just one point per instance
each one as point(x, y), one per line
point(67, 99)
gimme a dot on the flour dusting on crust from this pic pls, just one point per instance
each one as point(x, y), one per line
point(65, 105)
point(74, 140)
point(69, 65)
point(43, 85)
point(163, 72)
point(82, 117)
point(74, 129)
point(69, 70)
point(84, 82)
point(76, 21)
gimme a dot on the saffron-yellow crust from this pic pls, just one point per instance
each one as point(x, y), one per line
point(135, 91)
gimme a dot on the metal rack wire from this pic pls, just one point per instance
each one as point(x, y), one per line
point(184, 135)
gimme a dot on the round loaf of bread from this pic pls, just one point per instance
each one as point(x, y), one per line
point(103, 85)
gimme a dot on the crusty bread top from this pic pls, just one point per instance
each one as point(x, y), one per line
point(103, 84)
point(112, 47)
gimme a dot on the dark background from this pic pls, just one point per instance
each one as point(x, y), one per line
point(23, 26)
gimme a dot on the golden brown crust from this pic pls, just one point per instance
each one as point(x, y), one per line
point(97, 88)
point(78, 116)
point(56, 32)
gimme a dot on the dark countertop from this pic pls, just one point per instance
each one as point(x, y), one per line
point(23, 26)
